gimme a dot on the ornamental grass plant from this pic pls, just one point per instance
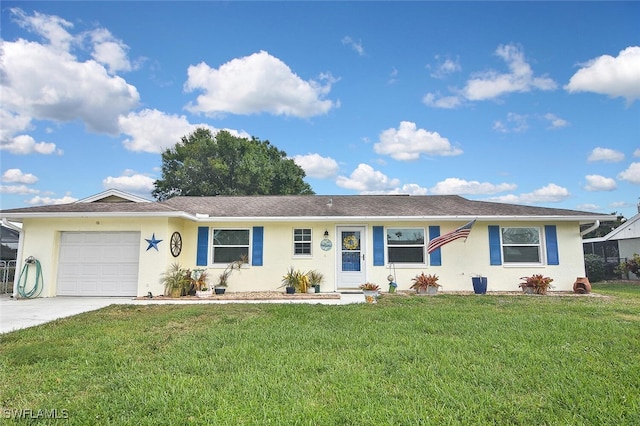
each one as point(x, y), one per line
point(454, 359)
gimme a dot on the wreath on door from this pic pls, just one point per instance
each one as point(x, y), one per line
point(350, 242)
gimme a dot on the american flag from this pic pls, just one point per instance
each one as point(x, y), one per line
point(462, 232)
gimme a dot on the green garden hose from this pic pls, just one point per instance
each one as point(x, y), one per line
point(36, 288)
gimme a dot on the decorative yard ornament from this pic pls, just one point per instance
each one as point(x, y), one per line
point(392, 284)
point(462, 232)
point(153, 243)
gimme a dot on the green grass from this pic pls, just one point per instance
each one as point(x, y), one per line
point(444, 360)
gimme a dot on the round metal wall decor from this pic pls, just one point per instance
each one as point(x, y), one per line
point(176, 244)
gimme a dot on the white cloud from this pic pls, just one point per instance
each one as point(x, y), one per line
point(355, 45)
point(460, 186)
point(605, 154)
point(18, 176)
point(493, 84)
point(131, 182)
point(393, 76)
point(17, 189)
point(589, 207)
point(612, 76)
point(51, 28)
point(520, 78)
point(444, 102)
point(154, 131)
point(38, 200)
point(25, 144)
point(632, 174)
point(412, 189)
point(445, 68)
point(365, 179)
point(47, 82)
point(555, 122)
point(110, 51)
point(316, 166)
point(12, 123)
point(407, 142)
point(516, 123)
point(636, 153)
point(255, 84)
point(551, 193)
point(600, 183)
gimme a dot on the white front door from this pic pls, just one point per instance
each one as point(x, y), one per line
point(351, 255)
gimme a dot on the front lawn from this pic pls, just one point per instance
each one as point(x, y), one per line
point(448, 359)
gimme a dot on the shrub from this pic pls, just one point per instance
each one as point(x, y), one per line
point(594, 265)
point(630, 265)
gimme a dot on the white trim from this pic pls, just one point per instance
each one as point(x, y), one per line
point(211, 253)
point(293, 241)
point(612, 234)
point(114, 193)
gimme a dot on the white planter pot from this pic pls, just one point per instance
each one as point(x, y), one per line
point(370, 296)
point(204, 293)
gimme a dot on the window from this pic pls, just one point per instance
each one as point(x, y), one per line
point(521, 245)
point(302, 242)
point(230, 245)
point(405, 245)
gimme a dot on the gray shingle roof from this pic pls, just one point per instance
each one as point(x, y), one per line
point(287, 206)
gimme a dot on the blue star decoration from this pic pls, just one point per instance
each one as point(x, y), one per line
point(153, 243)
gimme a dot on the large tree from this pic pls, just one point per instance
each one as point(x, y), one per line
point(204, 164)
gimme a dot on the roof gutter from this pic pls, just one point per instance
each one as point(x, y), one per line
point(593, 227)
point(199, 217)
point(203, 217)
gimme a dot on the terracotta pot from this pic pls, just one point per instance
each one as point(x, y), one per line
point(582, 285)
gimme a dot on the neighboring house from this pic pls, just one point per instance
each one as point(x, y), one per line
point(114, 244)
point(9, 239)
point(617, 246)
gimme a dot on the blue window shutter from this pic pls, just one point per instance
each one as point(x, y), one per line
point(495, 251)
point(257, 246)
point(378, 246)
point(435, 258)
point(551, 238)
point(202, 246)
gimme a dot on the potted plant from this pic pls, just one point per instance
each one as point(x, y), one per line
point(370, 292)
point(198, 279)
point(315, 279)
point(223, 278)
point(175, 281)
point(425, 284)
point(295, 281)
point(535, 284)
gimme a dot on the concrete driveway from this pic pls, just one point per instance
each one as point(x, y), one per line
point(16, 314)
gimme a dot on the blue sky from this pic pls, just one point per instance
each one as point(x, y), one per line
point(520, 102)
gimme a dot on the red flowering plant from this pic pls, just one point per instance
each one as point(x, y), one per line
point(538, 283)
point(369, 287)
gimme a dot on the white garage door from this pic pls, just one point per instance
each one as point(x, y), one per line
point(98, 264)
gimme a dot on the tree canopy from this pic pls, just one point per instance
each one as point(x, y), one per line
point(606, 227)
point(202, 164)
